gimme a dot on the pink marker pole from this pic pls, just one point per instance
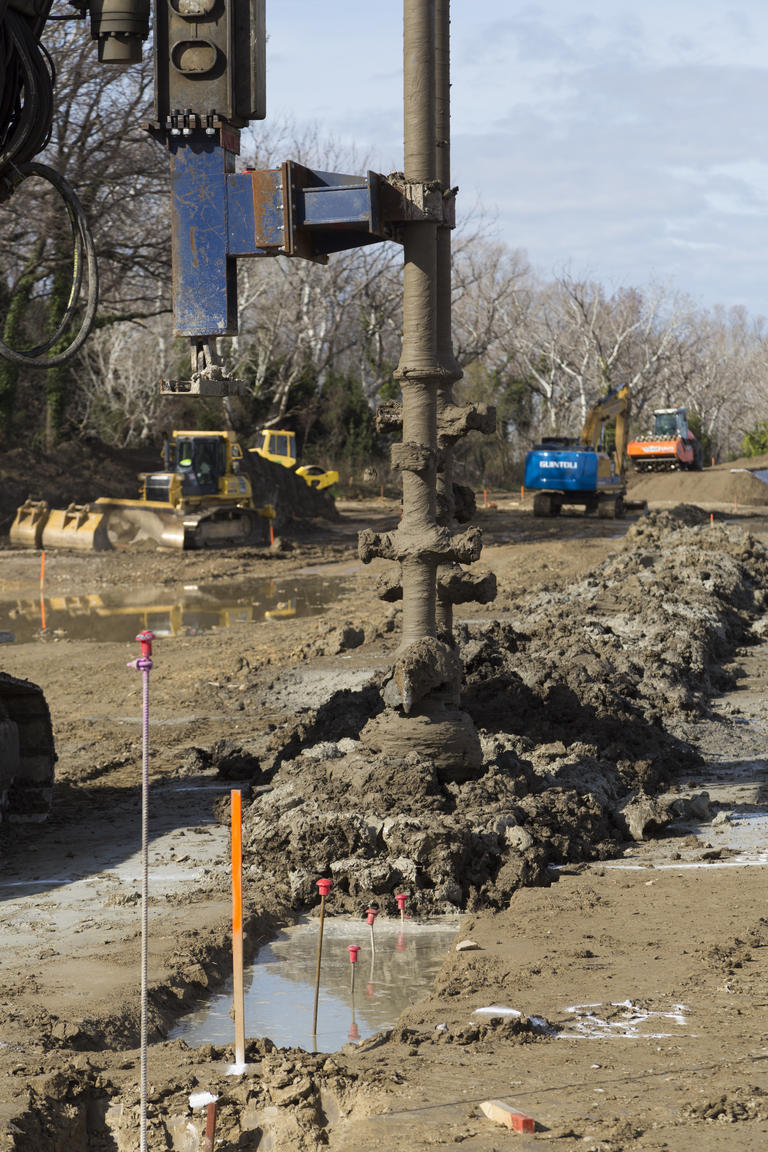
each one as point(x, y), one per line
point(323, 887)
point(143, 664)
point(353, 950)
point(370, 916)
point(401, 902)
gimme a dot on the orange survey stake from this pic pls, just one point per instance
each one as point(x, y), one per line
point(237, 861)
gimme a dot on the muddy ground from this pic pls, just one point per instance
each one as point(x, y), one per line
point(619, 685)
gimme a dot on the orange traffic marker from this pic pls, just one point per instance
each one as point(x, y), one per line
point(236, 818)
point(502, 1113)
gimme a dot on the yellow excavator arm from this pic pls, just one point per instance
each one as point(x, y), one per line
point(615, 404)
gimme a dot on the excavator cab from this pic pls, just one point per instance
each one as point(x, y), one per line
point(277, 445)
point(670, 422)
point(202, 461)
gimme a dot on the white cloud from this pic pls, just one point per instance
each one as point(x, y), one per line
point(630, 141)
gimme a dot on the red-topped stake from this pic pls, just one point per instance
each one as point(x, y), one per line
point(353, 950)
point(370, 916)
point(401, 898)
point(323, 887)
point(145, 639)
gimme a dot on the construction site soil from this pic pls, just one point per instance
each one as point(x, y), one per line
point(613, 978)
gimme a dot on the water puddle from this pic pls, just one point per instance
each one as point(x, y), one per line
point(279, 985)
point(119, 614)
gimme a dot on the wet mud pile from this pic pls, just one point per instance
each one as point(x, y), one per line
point(290, 495)
point(289, 1099)
point(581, 697)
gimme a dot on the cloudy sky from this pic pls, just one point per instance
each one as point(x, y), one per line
point(624, 142)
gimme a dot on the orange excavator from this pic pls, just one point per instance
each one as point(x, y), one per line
point(670, 447)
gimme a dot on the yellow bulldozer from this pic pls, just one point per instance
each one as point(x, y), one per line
point(200, 499)
point(279, 446)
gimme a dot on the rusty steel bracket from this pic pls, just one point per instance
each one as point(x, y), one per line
point(405, 201)
point(219, 215)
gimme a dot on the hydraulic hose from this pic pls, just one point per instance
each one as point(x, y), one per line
point(25, 124)
point(83, 261)
point(26, 115)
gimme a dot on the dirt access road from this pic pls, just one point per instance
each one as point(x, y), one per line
point(639, 965)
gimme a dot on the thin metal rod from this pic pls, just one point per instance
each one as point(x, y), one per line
point(144, 903)
point(317, 966)
point(210, 1127)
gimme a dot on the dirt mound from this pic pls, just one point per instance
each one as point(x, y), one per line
point(580, 698)
point(293, 500)
point(752, 463)
point(726, 484)
point(74, 473)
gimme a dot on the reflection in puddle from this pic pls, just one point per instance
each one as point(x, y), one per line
point(119, 614)
point(279, 985)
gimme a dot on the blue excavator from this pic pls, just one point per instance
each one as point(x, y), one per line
point(579, 470)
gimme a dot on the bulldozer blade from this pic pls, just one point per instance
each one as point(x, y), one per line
point(79, 526)
point(27, 528)
point(108, 523)
point(132, 522)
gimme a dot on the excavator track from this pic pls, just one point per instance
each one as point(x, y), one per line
point(27, 753)
point(222, 527)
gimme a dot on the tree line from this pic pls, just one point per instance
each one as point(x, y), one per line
point(318, 345)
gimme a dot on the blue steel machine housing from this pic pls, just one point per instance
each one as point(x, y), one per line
point(561, 471)
point(570, 474)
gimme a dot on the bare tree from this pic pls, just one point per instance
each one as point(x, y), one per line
point(118, 399)
point(578, 342)
point(120, 177)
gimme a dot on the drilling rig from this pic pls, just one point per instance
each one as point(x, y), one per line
point(210, 83)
